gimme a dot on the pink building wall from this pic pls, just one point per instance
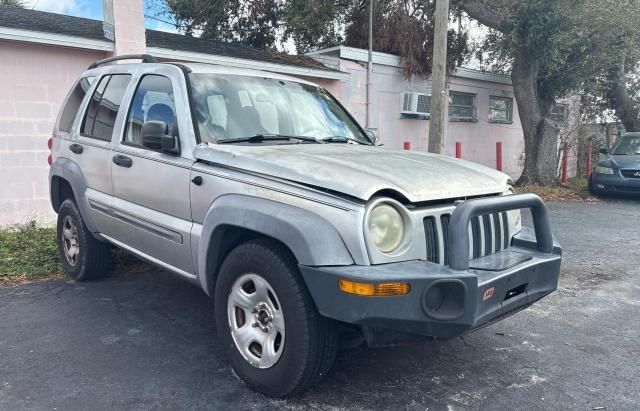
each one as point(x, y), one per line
point(478, 139)
point(34, 80)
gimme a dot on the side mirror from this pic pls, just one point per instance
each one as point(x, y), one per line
point(603, 151)
point(155, 136)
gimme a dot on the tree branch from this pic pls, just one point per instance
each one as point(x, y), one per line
point(486, 12)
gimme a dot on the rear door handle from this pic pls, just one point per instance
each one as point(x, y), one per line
point(122, 161)
point(76, 148)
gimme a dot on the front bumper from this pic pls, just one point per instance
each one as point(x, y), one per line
point(446, 301)
point(615, 184)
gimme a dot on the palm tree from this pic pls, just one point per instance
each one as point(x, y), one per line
point(12, 3)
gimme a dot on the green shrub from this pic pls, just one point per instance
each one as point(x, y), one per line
point(29, 251)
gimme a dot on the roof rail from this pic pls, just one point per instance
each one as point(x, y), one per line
point(146, 58)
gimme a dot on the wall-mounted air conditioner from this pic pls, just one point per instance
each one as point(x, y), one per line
point(415, 104)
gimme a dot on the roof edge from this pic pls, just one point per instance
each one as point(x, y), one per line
point(41, 37)
point(387, 59)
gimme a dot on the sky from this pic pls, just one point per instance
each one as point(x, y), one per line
point(91, 9)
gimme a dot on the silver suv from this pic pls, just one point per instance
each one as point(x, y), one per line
point(265, 192)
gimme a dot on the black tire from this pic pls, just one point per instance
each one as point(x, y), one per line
point(592, 190)
point(93, 258)
point(311, 340)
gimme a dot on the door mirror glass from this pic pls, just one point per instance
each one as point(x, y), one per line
point(603, 151)
point(155, 136)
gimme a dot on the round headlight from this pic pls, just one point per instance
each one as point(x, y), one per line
point(386, 228)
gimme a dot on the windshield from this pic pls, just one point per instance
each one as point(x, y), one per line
point(628, 146)
point(239, 107)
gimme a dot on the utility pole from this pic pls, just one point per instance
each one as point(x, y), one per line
point(439, 77)
point(370, 68)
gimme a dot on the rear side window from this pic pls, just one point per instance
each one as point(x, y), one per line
point(103, 108)
point(72, 105)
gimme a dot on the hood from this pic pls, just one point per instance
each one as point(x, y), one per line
point(361, 171)
point(625, 161)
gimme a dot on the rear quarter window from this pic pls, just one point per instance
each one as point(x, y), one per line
point(72, 105)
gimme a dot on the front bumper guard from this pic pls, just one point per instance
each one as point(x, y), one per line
point(448, 301)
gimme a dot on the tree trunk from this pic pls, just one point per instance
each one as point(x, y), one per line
point(625, 108)
point(540, 133)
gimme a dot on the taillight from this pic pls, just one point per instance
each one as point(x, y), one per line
point(50, 145)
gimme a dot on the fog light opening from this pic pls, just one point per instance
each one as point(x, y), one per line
point(445, 299)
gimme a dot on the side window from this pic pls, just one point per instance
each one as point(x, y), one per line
point(560, 113)
point(462, 106)
point(152, 101)
point(72, 105)
point(103, 108)
point(500, 109)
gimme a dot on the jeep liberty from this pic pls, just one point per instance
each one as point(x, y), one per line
point(265, 192)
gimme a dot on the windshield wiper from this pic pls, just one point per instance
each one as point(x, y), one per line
point(265, 137)
point(342, 139)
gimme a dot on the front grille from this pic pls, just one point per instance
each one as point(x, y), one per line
point(630, 173)
point(488, 234)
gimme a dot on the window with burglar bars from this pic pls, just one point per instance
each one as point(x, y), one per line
point(500, 109)
point(462, 106)
point(560, 113)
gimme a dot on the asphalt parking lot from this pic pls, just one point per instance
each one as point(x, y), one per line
point(147, 341)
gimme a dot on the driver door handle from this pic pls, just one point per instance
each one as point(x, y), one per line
point(122, 161)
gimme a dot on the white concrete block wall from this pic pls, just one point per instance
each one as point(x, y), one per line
point(34, 79)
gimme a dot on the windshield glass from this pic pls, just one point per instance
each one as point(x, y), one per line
point(238, 107)
point(628, 146)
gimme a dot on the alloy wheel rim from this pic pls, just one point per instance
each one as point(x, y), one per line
point(256, 321)
point(70, 241)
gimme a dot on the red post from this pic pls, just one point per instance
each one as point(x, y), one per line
point(499, 156)
point(458, 149)
point(407, 145)
point(565, 164)
point(589, 154)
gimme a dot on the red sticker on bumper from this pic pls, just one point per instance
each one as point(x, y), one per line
point(488, 293)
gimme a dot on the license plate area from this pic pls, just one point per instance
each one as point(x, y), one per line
point(516, 291)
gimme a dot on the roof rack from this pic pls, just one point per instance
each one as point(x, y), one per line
point(146, 58)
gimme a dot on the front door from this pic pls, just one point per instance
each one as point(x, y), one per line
point(151, 206)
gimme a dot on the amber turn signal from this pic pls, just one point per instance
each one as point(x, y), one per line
point(373, 290)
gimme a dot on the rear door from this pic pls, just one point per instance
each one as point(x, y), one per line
point(90, 147)
point(151, 205)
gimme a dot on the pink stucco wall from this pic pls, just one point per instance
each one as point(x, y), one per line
point(478, 139)
point(34, 79)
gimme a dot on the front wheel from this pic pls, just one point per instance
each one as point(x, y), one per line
point(273, 335)
point(592, 189)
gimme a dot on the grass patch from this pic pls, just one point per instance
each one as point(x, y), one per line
point(30, 253)
point(575, 190)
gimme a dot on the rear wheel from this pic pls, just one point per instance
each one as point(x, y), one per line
point(273, 335)
point(83, 257)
